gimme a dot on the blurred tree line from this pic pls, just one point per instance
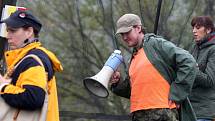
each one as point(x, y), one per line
point(82, 34)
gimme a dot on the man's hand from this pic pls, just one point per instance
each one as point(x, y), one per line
point(172, 103)
point(115, 78)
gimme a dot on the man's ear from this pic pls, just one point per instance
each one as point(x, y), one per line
point(208, 31)
point(139, 28)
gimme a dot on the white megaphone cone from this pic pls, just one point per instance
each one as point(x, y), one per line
point(98, 84)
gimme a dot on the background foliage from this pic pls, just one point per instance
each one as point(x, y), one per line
point(81, 33)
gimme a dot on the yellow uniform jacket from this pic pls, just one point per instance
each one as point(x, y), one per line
point(29, 80)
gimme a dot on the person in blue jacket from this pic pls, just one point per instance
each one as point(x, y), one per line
point(27, 82)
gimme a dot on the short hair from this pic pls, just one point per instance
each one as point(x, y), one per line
point(143, 29)
point(205, 21)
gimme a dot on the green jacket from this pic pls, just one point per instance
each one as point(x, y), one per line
point(176, 65)
point(203, 92)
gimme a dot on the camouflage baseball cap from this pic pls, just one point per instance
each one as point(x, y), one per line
point(126, 22)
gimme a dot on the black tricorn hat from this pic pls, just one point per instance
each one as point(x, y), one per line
point(22, 18)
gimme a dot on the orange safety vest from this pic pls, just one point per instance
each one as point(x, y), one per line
point(149, 90)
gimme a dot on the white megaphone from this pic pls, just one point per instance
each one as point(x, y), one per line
point(98, 84)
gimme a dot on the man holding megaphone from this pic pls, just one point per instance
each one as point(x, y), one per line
point(160, 76)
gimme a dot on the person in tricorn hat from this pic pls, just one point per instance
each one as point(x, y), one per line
point(27, 80)
point(160, 76)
